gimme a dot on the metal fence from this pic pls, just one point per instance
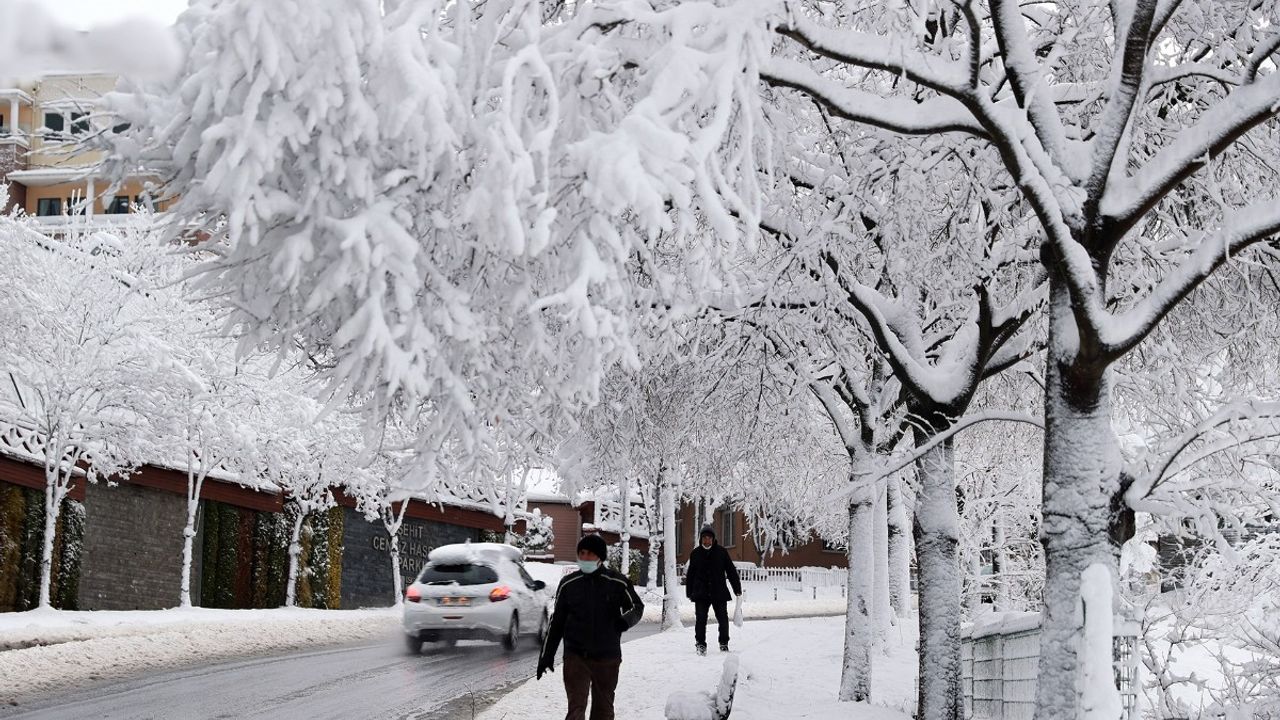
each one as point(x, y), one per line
point(999, 668)
point(792, 578)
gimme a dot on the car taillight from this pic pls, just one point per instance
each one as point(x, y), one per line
point(412, 594)
point(502, 592)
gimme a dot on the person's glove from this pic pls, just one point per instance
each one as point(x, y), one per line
point(545, 665)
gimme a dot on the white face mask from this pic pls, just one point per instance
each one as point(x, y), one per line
point(588, 566)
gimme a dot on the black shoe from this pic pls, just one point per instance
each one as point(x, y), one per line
point(724, 647)
point(701, 648)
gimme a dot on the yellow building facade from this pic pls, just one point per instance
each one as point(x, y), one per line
point(51, 175)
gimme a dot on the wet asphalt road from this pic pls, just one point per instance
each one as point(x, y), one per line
point(368, 680)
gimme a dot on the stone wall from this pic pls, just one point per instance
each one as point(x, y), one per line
point(132, 558)
point(366, 558)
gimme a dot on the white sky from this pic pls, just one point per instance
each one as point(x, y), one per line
point(84, 14)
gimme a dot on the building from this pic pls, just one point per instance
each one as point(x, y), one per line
point(51, 176)
point(733, 533)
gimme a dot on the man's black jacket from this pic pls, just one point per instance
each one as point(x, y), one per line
point(708, 569)
point(592, 611)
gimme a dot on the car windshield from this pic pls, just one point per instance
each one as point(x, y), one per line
point(457, 575)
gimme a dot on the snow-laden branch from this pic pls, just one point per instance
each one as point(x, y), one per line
point(1247, 411)
point(1112, 127)
point(1242, 228)
point(1027, 81)
point(840, 496)
point(1129, 200)
point(876, 53)
point(934, 115)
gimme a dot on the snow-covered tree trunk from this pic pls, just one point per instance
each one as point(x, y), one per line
point(670, 582)
point(937, 524)
point(624, 532)
point(882, 613)
point(1082, 466)
point(195, 481)
point(855, 672)
point(1099, 697)
point(397, 580)
point(54, 491)
point(899, 549)
point(295, 556)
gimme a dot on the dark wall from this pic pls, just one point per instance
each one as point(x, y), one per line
point(366, 558)
point(132, 557)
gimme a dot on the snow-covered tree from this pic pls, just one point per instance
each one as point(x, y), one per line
point(82, 341)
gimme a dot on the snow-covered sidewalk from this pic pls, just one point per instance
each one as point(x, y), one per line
point(789, 669)
point(62, 649)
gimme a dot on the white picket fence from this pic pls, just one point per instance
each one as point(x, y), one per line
point(999, 665)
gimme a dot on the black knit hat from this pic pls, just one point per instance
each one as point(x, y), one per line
point(707, 530)
point(594, 544)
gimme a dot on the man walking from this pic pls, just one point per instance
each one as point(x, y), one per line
point(709, 566)
point(594, 606)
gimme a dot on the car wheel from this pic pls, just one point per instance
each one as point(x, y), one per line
point(513, 633)
point(413, 644)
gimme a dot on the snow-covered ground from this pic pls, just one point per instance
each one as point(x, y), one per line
point(63, 649)
point(789, 669)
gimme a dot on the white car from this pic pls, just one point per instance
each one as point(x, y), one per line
point(475, 591)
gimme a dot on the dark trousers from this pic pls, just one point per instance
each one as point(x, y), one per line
point(700, 620)
point(597, 677)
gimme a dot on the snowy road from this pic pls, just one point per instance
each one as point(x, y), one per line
point(368, 680)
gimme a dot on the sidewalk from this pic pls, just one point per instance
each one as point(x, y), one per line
point(789, 669)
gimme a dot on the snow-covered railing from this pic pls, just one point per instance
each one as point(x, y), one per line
point(999, 661)
point(19, 440)
point(608, 517)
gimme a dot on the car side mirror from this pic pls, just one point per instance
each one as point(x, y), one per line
point(538, 585)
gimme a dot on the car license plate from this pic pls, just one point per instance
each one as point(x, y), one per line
point(455, 601)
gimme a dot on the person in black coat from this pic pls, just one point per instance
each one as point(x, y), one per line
point(594, 606)
point(709, 567)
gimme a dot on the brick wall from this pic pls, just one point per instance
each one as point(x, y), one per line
point(132, 548)
point(366, 560)
point(566, 523)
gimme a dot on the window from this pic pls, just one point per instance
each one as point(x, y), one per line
point(4, 129)
point(54, 122)
point(728, 527)
point(47, 207)
point(457, 575)
point(79, 123)
point(119, 205)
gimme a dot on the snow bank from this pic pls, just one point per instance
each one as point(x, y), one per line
point(789, 669)
point(66, 649)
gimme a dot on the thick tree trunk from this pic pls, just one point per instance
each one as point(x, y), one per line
point(855, 672)
point(882, 612)
point(937, 526)
point(899, 549)
point(670, 582)
point(295, 554)
point(1082, 466)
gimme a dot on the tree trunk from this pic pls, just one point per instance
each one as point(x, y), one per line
point(882, 612)
point(295, 553)
point(188, 547)
point(937, 524)
point(899, 549)
point(624, 532)
point(670, 582)
point(53, 493)
point(855, 673)
point(397, 581)
point(1082, 466)
point(194, 482)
